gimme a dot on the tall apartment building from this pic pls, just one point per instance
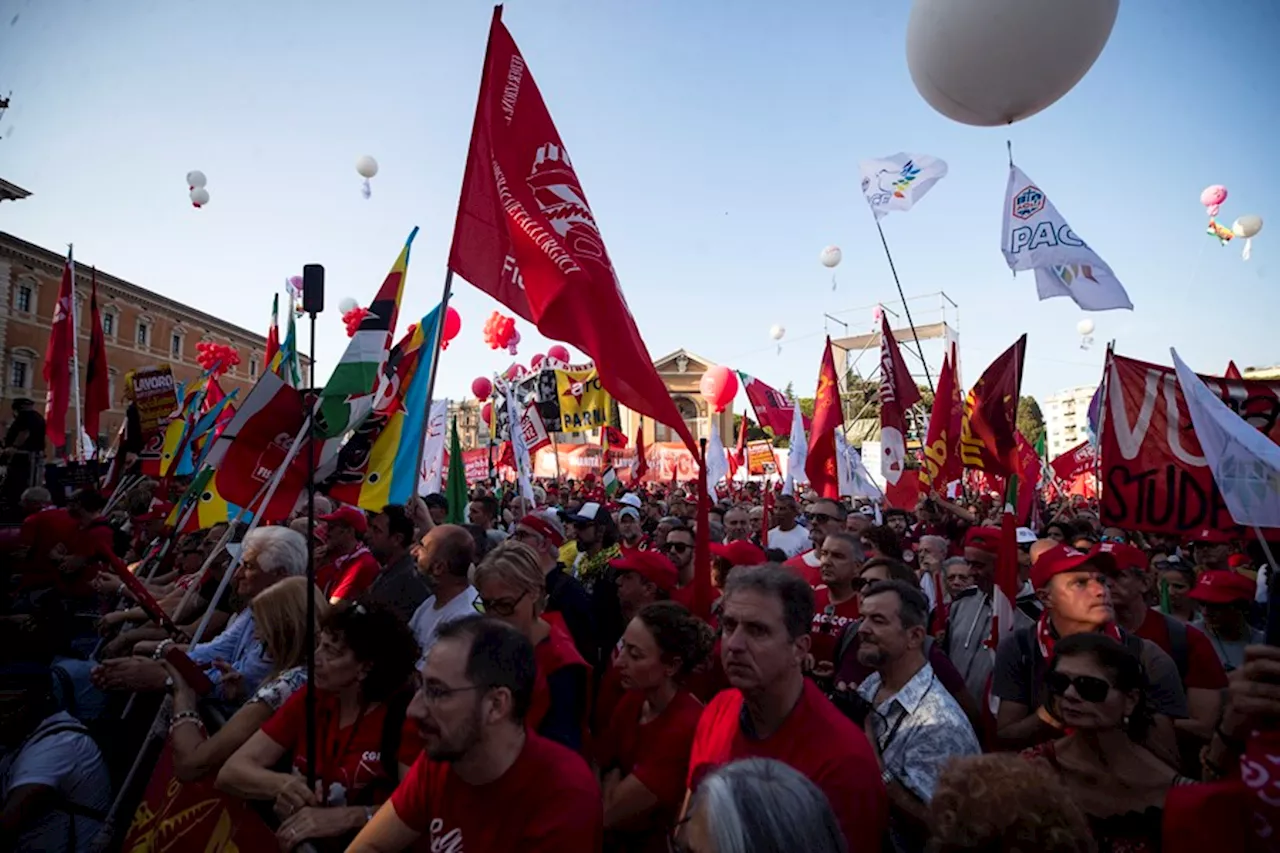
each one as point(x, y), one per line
point(1066, 418)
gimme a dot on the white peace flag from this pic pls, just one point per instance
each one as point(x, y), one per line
point(899, 181)
point(797, 451)
point(1037, 237)
point(855, 479)
point(717, 459)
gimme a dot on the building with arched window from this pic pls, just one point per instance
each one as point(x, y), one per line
point(681, 372)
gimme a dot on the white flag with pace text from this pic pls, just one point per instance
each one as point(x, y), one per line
point(899, 181)
point(1037, 237)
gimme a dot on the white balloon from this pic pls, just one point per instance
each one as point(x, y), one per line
point(1085, 327)
point(367, 167)
point(1247, 226)
point(199, 196)
point(993, 62)
point(830, 256)
point(777, 332)
point(196, 179)
point(346, 304)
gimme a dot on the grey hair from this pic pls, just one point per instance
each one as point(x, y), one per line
point(953, 561)
point(938, 543)
point(278, 550)
point(759, 805)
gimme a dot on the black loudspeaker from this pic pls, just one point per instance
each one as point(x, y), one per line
point(313, 288)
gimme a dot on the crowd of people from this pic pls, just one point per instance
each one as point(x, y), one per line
point(544, 676)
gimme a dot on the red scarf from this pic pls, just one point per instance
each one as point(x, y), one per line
point(1046, 638)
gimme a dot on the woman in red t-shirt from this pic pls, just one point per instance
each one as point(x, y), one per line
point(643, 754)
point(365, 657)
point(512, 589)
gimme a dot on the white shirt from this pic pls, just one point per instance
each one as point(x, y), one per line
point(70, 763)
point(790, 542)
point(428, 618)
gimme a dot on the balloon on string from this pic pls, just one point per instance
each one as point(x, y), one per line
point(1085, 327)
point(199, 197)
point(347, 304)
point(1212, 198)
point(196, 179)
point(366, 167)
point(777, 332)
point(719, 385)
point(558, 353)
point(450, 328)
point(536, 362)
point(994, 62)
point(513, 342)
point(831, 257)
point(1247, 226)
point(481, 387)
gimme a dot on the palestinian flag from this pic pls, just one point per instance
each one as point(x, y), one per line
point(610, 482)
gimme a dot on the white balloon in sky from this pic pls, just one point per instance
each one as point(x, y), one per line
point(367, 167)
point(1085, 327)
point(196, 179)
point(777, 332)
point(830, 256)
point(346, 305)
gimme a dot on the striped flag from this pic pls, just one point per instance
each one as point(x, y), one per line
point(273, 335)
point(285, 361)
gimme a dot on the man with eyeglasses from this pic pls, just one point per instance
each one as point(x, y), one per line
point(1073, 586)
point(444, 556)
point(825, 517)
point(679, 550)
point(475, 690)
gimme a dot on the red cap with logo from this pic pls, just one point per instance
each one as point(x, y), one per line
point(1063, 558)
point(740, 552)
point(650, 565)
point(983, 538)
point(544, 527)
point(1211, 536)
point(1220, 586)
point(350, 516)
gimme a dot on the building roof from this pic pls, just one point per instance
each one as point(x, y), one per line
point(12, 192)
point(53, 262)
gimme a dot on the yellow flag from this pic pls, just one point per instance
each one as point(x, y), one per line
point(584, 404)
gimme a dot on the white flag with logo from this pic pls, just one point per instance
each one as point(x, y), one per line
point(717, 459)
point(899, 181)
point(1036, 237)
point(797, 450)
point(1244, 462)
point(855, 479)
point(431, 474)
point(520, 450)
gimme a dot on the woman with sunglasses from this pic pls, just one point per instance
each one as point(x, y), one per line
point(1095, 686)
point(643, 753)
point(512, 588)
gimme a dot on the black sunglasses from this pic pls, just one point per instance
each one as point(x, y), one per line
point(820, 517)
point(1090, 688)
point(678, 547)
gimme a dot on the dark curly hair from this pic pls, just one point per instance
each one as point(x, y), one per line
point(678, 633)
point(1123, 666)
point(898, 570)
point(377, 637)
point(886, 542)
point(1002, 802)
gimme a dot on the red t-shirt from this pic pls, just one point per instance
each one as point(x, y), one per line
point(683, 595)
point(95, 543)
point(349, 755)
point(355, 572)
point(547, 802)
point(552, 654)
point(1204, 669)
point(806, 566)
point(41, 531)
point(815, 739)
point(657, 754)
point(827, 625)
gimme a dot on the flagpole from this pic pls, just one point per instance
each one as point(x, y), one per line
point(893, 269)
point(75, 351)
point(433, 371)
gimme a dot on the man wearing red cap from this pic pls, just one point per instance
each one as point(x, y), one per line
point(1211, 549)
point(1224, 598)
point(1073, 586)
point(354, 566)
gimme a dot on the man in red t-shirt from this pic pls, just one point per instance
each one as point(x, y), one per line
point(825, 517)
point(772, 711)
point(476, 687)
point(354, 565)
point(44, 526)
point(835, 600)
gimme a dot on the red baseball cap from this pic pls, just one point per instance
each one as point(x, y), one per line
point(740, 552)
point(1211, 536)
point(650, 565)
point(1063, 558)
point(1220, 586)
point(1126, 556)
point(544, 526)
point(350, 516)
point(983, 538)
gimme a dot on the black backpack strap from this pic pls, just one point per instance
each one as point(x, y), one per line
point(1179, 646)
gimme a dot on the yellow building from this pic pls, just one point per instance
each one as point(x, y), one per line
point(681, 372)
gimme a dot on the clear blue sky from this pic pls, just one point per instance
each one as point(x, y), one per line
point(718, 143)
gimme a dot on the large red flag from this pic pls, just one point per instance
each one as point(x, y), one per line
point(990, 414)
point(772, 408)
point(898, 393)
point(97, 388)
point(642, 458)
point(942, 443)
point(57, 364)
point(1232, 372)
point(820, 466)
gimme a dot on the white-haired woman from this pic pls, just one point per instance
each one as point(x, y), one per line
point(759, 805)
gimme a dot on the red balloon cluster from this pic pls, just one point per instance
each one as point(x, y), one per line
point(481, 387)
point(353, 318)
point(217, 359)
point(500, 331)
point(452, 325)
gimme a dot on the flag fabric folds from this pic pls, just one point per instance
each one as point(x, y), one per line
point(772, 408)
point(525, 234)
point(942, 441)
point(520, 451)
point(1005, 589)
point(899, 181)
point(797, 453)
point(97, 387)
point(642, 459)
point(57, 363)
point(285, 361)
point(1244, 462)
point(273, 335)
point(432, 476)
point(738, 457)
point(820, 461)
point(898, 393)
point(717, 461)
point(456, 482)
point(1036, 237)
point(987, 430)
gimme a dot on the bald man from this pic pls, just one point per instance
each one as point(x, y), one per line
point(444, 555)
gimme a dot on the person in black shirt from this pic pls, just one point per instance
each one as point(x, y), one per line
point(23, 453)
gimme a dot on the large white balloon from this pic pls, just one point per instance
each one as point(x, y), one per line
point(831, 256)
point(346, 305)
point(993, 62)
point(367, 167)
point(777, 332)
point(196, 179)
point(199, 196)
point(1085, 327)
point(1247, 226)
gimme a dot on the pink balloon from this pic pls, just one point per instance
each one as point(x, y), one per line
point(481, 387)
point(558, 353)
point(537, 360)
point(719, 386)
point(1212, 198)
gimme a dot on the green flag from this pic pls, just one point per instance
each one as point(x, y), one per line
point(455, 487)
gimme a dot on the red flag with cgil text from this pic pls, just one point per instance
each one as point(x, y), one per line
point(898, 393)
point(820, 466)
point(57, 364)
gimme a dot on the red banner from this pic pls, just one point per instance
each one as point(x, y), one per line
point(1076, 462)
point(1154, 477)
point(175, 816)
